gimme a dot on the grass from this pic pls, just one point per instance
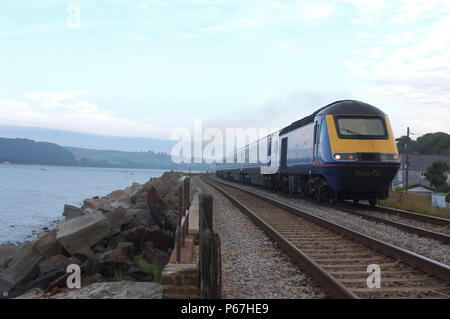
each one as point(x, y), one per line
point(156, 270)
point(168, 233)
point(192, 191)
point(415, 203)
point(118, 276)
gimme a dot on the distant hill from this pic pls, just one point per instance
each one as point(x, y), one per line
point(89, 141)
point(431, 143)
point(24, 151)
point(118, 159)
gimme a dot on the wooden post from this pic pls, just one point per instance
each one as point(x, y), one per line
point(187, 186)
point(205, 212)
point(210, 252)
point(210, 266)
point(178, 232)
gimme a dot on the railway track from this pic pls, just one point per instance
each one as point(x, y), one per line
point(403, 213)
point(433, 228)
point(339, 257)
point(419, 224)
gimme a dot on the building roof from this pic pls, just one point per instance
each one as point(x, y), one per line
point(421, 162)
point(419, 189)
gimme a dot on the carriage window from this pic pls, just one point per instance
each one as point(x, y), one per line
point(361, 127)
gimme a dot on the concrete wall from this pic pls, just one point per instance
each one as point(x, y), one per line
point(181, 281)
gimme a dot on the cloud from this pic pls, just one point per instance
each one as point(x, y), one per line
point(66, 111)
point(279, 110)
point(315, 11)
point(411, 71)
point(133, 36)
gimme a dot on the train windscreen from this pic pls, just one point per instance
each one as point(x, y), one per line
point(361, 127)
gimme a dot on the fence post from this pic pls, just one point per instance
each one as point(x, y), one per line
point(205, 212)
point(210, 252)
point(178, 231)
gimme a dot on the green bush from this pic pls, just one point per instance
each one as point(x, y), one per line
point(447, 198)
point(156, 270)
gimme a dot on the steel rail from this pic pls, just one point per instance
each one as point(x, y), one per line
point(333, 286)
point(403, 226)
point(404, 213)
point(423, 263)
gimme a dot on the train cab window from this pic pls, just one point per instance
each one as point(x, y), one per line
point(323, 132)
point(369, 127)
point(269, 146)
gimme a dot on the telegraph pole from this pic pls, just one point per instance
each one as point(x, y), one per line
point(407, 159)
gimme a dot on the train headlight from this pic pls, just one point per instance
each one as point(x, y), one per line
point(388, 157)
point(345, 157)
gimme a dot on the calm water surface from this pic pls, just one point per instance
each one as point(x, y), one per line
point(32, 198)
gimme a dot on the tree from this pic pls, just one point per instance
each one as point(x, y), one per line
point(401, 143)
point(435, 175)
point(431, 143)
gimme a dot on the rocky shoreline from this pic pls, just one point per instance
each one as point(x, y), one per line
point(120, 240)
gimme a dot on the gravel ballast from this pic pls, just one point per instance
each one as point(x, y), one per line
point(424, 246)
point(252, 264)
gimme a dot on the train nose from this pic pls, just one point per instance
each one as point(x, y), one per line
point(359, 178)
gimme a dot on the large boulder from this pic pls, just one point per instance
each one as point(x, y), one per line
point(40, 284)
point(47, 245)
point(84, 254)
point(118, 204)
point(158, 211)
point(57, 263)
point(137, 217)
point(154, 255)
point(91, 203)
point(140, 236)
point(24, 250)
point(116, 263)
point(82, 232)
point(7, 252)
point(117, 218)
point(166, 184)
point(120, 196)
point(20, 273)
point(133, 189)
point(72, 212)
point(140, 197)
point(105, 205)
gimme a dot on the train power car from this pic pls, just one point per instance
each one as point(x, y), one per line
point(345, 150)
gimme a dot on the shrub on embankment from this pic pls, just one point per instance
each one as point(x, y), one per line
point(419, 203)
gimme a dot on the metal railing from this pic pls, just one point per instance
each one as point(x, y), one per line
point(184, 203)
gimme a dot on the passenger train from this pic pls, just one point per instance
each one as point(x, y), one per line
point(345, 150)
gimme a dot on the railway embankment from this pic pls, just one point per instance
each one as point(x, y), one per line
point(121, 243)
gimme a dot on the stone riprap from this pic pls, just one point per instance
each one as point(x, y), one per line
point(121, 242)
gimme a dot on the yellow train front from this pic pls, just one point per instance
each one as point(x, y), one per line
point(354, 155)
point(362, 158)
point(345, 150)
